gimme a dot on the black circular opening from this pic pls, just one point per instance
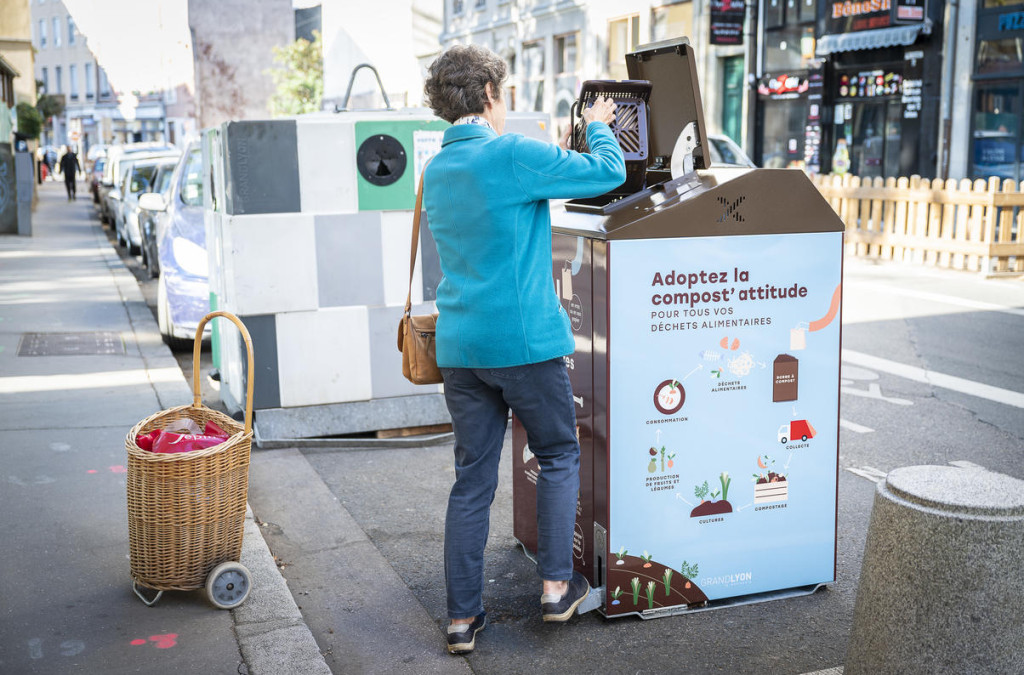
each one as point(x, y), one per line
point(381, 159)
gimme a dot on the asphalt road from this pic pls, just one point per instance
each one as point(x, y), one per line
point(904, 329)
point(932, 373)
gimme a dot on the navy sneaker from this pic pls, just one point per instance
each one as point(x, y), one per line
point(463, 640)
point(560, 609)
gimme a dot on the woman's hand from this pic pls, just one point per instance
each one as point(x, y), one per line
point(563, 142)
point(603, 110)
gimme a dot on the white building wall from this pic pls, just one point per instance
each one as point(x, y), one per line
point(390, 35)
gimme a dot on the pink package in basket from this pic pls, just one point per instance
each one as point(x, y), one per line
point(169, 442)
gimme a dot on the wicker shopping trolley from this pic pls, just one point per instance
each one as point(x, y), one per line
point(186, 511)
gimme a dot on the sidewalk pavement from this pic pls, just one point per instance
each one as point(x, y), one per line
point(68, 604)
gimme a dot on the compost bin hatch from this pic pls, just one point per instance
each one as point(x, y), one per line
point(673, 105)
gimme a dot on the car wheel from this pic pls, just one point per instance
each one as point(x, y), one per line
point(163, 316)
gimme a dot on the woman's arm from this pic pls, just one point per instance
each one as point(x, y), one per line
point(545, 171)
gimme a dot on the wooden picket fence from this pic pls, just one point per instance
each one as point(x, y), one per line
point(974, 226)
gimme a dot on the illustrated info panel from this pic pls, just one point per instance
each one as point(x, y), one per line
point(724, 402)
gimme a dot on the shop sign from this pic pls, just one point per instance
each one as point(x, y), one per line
point(848, 16)
point(782, 86)
point(812, 128)
point(727, 21)
point(909, 11)
point(1011, 21)
point(870, 84)
point(912, 84)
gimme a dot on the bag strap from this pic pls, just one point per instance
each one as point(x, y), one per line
point(415, 237)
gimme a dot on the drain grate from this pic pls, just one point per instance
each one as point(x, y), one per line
point(70, 344)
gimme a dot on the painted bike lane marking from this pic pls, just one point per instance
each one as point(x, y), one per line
point(935, 379)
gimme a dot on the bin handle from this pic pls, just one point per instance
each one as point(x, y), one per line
point(197, 401)
point(352, 80)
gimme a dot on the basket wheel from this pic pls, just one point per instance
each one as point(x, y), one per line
point(228, 585)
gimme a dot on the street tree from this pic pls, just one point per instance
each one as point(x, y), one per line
point(299, 81)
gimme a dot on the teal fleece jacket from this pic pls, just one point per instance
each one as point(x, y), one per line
point(486, 200)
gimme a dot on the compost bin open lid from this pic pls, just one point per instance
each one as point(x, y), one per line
point(670, 66)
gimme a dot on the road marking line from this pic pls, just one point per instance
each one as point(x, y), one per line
point(969, 387)
point(945, 299)
point(964, 464)
point(871, 473)
point(853, 426)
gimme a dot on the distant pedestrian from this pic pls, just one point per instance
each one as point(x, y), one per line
point(70, 167)
point(501, 332)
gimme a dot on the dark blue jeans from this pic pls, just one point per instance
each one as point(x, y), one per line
point(479, 400)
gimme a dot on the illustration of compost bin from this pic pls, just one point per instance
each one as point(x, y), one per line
point(308, 222)
point(699, 297)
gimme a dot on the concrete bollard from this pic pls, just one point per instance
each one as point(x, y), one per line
point(942, 583)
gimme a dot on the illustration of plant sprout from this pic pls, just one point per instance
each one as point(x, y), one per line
point(620, 555)
point(635, 584)
point(725, 481)
point(701, 491)
point(667, 578)
point(646, 557)
point(650, 594)
point(616, 594)
point(688, 571)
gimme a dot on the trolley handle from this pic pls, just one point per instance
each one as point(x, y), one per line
point(197, 400)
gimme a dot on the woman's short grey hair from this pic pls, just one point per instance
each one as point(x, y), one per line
point(456, 85)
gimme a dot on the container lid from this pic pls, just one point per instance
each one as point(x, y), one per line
point(671, 67)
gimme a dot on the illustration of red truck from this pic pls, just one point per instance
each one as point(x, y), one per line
point(801, 429)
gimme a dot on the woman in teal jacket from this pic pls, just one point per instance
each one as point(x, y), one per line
point(502, 333)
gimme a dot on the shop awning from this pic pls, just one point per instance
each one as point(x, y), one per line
point(871, 39)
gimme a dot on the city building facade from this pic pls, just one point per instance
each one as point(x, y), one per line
point(16, 63)
point(997, 98)
point(68, 69)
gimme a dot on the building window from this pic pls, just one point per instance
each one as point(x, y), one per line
point(46, 79)
point(789, 48)
point(533, 76)
point(998, 146)
point(73, 77)
point(565, 53)
point(480, 4)
point(623, 37)
point(56, 32)
point(90, 85)
point(1001, 56)
point(104, 84)
point(672, 21)
point(457, 7)
point(42, 33)
point(60, 82)
point(71, 31)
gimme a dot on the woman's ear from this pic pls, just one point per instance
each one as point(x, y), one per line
point(489, 91)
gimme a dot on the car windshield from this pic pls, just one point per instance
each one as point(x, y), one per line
point(725, 152)
point(163, 179)
point(142, 178)
point(192, 179)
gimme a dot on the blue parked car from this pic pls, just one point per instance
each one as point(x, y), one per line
point(183, 290)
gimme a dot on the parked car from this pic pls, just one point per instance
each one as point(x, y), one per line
point(183, 291)
point(95, 177)
point(139, 178)
point(112, 202)
point(112, 172)
point(151, 223)
point(725, 151)
point(95, 152)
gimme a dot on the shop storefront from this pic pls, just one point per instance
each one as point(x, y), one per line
point(882, 63)
point(789, 91)
point(997, 145)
